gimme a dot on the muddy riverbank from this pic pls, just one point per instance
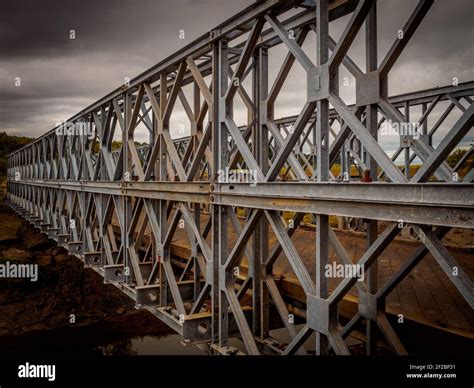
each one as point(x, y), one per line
point(68, 308)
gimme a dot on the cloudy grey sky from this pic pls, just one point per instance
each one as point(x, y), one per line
point(121, 38)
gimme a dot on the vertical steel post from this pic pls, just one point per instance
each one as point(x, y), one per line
point(219, 213)
point(322, 152)
point(372, 126)
point(407, 146)
point(260, 297)
point(126, 201)
point(163, 251)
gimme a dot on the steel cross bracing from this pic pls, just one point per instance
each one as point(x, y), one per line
point(119, 210)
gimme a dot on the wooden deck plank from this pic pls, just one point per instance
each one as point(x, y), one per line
point(458, 300)
point(430, 308)
point(454, 318)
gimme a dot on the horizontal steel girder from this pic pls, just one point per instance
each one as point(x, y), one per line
point(426, 203)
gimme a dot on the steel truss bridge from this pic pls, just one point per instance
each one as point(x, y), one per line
point(119, 210)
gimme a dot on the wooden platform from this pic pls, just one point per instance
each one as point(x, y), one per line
point(426, 295)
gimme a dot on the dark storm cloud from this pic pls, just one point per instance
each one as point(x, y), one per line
point(114, 40)
point(118, 39)
point(42, 28)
